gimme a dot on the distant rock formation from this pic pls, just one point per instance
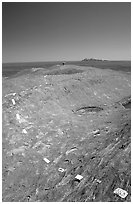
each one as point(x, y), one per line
point(93, 59)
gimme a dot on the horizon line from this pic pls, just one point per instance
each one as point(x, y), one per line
point(68, 60)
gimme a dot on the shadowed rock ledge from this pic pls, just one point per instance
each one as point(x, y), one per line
point(62, 123)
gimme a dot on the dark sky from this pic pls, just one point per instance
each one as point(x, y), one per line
point(65, 31)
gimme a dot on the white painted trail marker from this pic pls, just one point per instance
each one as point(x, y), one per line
point(18, 116)
point(20, 119)
point(61, 170)
point(122, 193)
point(97, 180)
point(79, 177)
point(46, 160)
point(24, 131)
point(13, 101)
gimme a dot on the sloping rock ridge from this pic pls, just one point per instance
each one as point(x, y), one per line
point(66, 137)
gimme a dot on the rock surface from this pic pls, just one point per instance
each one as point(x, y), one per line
point(66, 135)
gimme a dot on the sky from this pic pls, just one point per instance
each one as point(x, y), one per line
point(56, 31)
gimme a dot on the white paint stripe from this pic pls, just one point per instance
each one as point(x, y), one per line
point(61, 170)
point(79, 177)
point(46, 160)
point(122, 193)
point(18, 116)
point(24, 131)
point(13, 101)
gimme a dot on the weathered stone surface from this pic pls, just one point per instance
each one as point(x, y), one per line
point(68, 125)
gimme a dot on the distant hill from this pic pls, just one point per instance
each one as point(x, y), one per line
point(93, 59)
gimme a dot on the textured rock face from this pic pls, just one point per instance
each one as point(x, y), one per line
point(66, 135)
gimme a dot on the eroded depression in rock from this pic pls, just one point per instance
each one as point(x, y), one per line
point(89, 109)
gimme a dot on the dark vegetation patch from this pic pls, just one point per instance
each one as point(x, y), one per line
point(44, 71)
point(95, 81)
point(64, 71)
point(114, 65)
point(10, 69)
